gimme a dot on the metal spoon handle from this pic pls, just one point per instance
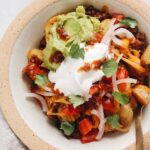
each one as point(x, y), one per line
point(139, 133)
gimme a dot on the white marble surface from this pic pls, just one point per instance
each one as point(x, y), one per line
point(8, 10)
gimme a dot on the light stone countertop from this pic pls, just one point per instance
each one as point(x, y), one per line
point(8, 10)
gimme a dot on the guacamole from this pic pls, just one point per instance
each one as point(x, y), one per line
point(79, 28)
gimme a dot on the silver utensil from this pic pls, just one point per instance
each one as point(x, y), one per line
point(139, 133)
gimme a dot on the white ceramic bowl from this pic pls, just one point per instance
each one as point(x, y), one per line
point(24, 117)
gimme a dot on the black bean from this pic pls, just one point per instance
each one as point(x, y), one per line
point(42, 43)
point(57, 57)
point(101, 15)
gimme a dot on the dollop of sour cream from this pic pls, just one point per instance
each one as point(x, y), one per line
point(69, 80)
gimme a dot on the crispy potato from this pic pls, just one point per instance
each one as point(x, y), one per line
point(141, 94)
point(35, 52)
point(145, 59)
point(134, 68)
point(108, 128)
point(48, 26)
point(104, 25)
point(135, 52)
point(126, 115)
point(134, 58)
point(123, 129)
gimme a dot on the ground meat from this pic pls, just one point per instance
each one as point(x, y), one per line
point(57, 57)
point(101, 15)
point(42, 43)
point(96, 38)
point(32, 70)
point(134, 31)
point(89, 105)
point(141, 36)
point(139, 45)
point(90, 66)
point(140, 42)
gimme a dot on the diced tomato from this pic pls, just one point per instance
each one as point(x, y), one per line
point(108, 106)
point(70, 111)
point(32, 70)
point(94, 89)
point(85, 126)
point(118, 17)
point(122, 73)
point(90, 137)
point(62, 33)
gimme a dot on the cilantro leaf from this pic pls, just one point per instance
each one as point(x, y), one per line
point(113, 121)
point(76, 52)
point(67, 127)
point(76, 100)
point(132, 23)
point(110, 67)
point(120, 98)
point(41, 80)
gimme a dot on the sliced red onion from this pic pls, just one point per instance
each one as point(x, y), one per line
point(110, 32)
point(100, 114)
point(115, 87)
point(40, 99)
point(116, 26)
point(109, 95)
point(121, 32)
point(119, 58)
point(126, 80)
point(107, 37)
point(110, 55)
point(117, 41)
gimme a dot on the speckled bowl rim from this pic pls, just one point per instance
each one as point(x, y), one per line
point(16, 122)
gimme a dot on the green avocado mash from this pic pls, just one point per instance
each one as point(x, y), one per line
point(77, 25)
